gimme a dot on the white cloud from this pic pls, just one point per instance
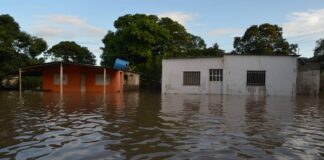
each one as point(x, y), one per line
point(306, 25)
point(64, 26)
point(303, 28)
point(49, 31)
point(55, 28)
point(181, 17)
point(232, 32)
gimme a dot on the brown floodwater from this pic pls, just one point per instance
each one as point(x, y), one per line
point(142, 125)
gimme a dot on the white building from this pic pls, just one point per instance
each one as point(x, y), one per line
point(131, 81)
point(231, 74)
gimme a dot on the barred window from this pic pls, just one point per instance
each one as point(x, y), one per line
point(191, 78)
point(256, 78)
point(215, 75)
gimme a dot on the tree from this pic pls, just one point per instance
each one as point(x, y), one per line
point(319, 51)
point(264, 39)
point(38, 46)
point(29, 45)
point(17, 48)
point(9, 31)
point(144, 40)
point(213, 51)
point(69, 51)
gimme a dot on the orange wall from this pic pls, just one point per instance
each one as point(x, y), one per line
point(74, 79)
point(112, 86)
point(121, 80)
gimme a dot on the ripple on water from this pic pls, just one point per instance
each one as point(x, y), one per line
point(153, 126)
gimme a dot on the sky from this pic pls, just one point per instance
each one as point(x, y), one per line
point(216, 21)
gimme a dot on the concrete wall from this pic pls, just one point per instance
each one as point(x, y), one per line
point(74, 79)
point(131, 81)
point(281, 73)
point(322, 81)
point(308, 79)
point(308, 82)
point(10, 82)
point(172, 74)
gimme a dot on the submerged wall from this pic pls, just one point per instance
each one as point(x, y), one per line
point(308, 79)
point(280, 74)
point(280, 71)
point(131, 81)
point(82, 79)
point(322, 80)
point(172, 74)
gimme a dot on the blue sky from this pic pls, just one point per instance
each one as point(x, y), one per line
point(87, 21)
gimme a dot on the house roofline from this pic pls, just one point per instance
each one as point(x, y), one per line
point(221, 56)
point(194, 57)
point(36, 70)
point(50, 64)
point(262, 55)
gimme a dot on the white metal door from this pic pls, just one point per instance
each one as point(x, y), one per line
point(215, 81)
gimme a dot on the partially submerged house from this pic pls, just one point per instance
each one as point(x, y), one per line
point(71, 77)
point(10, 82)
point(131, 81)
point(231, 74)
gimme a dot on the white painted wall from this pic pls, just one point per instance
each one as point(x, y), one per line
point(172, 74)
point(281, 74)
point(133, 78)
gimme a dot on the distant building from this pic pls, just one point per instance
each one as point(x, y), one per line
point(71, 77)
point(9, 82)
point(131, 81)
point(231, 74)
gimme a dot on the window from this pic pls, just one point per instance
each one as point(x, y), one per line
point(215, 75)
point(256, 78)
point(100, 77)
point(191, 78)
point(57, 79)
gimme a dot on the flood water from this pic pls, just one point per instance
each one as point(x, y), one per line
point(153, 126)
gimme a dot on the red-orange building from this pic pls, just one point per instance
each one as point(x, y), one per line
point(71, 77)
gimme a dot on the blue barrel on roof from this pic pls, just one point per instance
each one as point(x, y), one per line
point(120, 64)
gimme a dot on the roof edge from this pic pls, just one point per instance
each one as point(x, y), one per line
point(64, 63)
point(261, 55)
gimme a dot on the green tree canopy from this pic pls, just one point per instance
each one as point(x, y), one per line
point(38, 46)
point(207, 52)
point(30, 45)
point(319, 50)
point(17, 48)
point(69, 51)
point(263, 39)
point(144, 40)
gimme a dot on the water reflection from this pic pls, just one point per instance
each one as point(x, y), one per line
point(149, 125)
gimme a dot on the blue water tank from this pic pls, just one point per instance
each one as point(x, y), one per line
point(121, 64)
